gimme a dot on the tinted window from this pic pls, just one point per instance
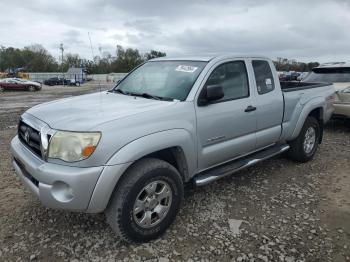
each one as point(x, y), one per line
point(233, 78)
point(332, 75)
point(263, 76)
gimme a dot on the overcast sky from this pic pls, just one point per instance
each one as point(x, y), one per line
point(317, 30)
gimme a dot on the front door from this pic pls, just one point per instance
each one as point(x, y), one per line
point(226, 127)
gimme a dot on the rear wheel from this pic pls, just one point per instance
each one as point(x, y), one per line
point(304, 147)
point(2, 89)
point(146, 201)
point(31, 88)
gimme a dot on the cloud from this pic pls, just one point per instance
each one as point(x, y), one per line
point(306, 30)
point(72, 37)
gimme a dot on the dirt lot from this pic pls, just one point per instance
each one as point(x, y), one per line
point(275, 211)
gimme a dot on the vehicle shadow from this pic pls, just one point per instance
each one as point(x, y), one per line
point(338, 125)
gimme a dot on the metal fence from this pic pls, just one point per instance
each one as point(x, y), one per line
point(112, 77)
point(41, 77)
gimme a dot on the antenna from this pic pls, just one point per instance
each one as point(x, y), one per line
point(93, 56)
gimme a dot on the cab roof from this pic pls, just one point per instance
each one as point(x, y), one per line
point(206, 58)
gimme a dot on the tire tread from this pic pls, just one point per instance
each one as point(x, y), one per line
point(118, 198)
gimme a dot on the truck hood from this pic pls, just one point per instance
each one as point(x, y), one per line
point(87, 112)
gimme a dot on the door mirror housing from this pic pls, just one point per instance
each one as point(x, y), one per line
point(211, 93)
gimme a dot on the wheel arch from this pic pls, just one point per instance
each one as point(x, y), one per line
point(318, 114)
point(175, 156)
point(313, 108)
point(174, 146)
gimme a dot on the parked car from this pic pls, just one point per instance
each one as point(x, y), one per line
point(73, 82)
point(19, 84)
point(302, 76)
point(129, 151)
point(289, 76)
point(53, 81)
point(283, 76)
point(339, 75)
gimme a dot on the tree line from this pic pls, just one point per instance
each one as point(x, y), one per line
point(35, 58)
point(284, 64)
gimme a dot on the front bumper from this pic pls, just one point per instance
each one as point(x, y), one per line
point(56, 186)
point(341, 109)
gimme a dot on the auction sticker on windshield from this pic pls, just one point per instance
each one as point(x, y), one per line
point(186, 68)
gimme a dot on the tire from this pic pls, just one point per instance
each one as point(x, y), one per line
point(145, 174)
point(302, 149)
point(2, 89)
point(77, 83)
point(31, 88)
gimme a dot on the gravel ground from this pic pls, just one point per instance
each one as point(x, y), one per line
point(275, 211)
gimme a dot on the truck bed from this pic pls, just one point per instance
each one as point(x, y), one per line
point(296, 97)
point(290, 86)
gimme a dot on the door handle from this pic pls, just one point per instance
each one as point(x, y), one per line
point(250, 109)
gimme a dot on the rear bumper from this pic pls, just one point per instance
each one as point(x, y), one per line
point(341, 109)
point(56, 186)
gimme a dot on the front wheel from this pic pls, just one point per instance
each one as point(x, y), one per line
point(304, 147)
point(31, 89)
point(146, 201)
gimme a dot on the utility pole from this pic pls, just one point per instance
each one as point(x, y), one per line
point(62, 49)
point(92, 50)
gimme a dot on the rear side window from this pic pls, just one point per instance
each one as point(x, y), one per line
point(232, 76)
point(263, 76)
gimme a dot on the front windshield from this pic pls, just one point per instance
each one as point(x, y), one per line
point(171, 80)
point(331, 75)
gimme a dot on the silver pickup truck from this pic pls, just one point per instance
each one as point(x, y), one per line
point(130, 151)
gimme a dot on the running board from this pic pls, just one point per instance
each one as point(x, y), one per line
point(216, 173)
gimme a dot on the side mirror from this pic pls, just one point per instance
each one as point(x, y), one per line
point(211, 93)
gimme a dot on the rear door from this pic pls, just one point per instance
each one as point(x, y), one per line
point(20, 85)
point(269, 104)
point(225, 128)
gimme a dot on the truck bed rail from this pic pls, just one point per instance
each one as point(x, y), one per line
point(290, 86)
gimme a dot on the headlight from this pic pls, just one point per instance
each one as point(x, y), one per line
point(73, 146)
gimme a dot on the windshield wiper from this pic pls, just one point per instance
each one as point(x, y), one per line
point(144, 95)
point(147, 95)
point(120, 91)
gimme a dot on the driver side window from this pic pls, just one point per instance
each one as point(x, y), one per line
point(233, 78)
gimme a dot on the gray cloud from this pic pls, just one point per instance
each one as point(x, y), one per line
point(72, 37)
point(314, 29)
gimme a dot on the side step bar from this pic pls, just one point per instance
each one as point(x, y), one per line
point(216, 173)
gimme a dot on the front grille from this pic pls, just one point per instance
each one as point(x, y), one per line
point(30, 137)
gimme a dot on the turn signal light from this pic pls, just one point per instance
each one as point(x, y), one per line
point(87, 151)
